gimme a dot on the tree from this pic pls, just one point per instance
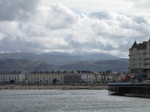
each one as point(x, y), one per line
point(12, 82)
point(54, 81)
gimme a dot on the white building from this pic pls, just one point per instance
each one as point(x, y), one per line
point(46, 77)
point(89, 77)
point(12, 77)
point(139, 59)
point(109, 76)
point(63, 77)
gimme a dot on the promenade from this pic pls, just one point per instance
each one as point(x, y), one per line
point(53, 87)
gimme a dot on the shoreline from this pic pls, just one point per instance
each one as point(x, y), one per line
point(51, 87)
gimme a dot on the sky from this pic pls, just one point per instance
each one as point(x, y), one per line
point(73, 26)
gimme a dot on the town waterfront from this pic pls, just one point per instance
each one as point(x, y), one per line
point(69, 101)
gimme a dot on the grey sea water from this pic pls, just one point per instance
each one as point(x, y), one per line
point(69, 101)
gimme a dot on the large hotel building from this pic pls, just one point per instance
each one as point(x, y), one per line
point(139, 59)
point(11, 77)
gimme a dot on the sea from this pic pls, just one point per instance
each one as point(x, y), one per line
point(69, 101)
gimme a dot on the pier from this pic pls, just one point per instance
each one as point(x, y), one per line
point(129, 89)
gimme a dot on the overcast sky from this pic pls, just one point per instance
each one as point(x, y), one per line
point(73, 26)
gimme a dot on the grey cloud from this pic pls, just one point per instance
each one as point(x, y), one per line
point(60, 17)
point(57, 28)
point(138, 24)
point(16, 9)
point(94, 44)
point(101, 15)
point(140, 20)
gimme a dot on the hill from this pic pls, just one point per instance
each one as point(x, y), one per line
point(57, 58)
point(25, 66)
point(29, 62)
point(116, 65)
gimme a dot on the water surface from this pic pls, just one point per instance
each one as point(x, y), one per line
point(69, 101)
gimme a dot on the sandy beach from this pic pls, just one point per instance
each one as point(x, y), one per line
point(53, 87)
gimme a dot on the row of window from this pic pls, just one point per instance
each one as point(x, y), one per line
point(9, 74)
point(39, 80)
point(45, 77)
point(8, 79)
point(5, 78)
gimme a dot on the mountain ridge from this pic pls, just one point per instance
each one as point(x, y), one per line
point(116, 65)
point(57, 58)
point(23, 65)
point(29, 62)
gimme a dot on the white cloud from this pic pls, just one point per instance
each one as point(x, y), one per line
point(1, 36)
point(46, 27)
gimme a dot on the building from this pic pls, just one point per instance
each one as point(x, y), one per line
point(53, 77)
point(91, 78)
point(139, 59)
point(12, 77)
point(64, 77)
point(72, 77)
point(88, 77)
point(98, 78)
point(109, 76)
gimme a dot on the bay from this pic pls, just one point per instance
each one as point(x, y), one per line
point(69, 101)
